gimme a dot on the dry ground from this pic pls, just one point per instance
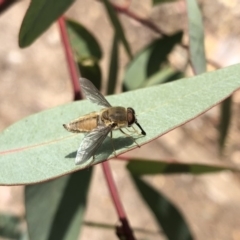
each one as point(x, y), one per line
point(36, 78)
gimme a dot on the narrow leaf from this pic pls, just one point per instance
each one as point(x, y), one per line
point(10, 226)
point(113, 227)
point(40, 15)
point(38, 148)
point(167, 74)
point(167, 215)
point(117, 26)
point(225, 119)
point(113, 67)
point(55, 209)
point(141, 167)
point(156, 2)
point(148, 62)
point(82, 41)
point(90, 69)
point(196, 37)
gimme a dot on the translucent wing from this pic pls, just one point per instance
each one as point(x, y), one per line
point(91, 143)
point(92, 93)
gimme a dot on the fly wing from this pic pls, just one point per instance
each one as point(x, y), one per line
point(91, 143)
point(92, 93)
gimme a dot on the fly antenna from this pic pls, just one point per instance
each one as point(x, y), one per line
point(143, 132)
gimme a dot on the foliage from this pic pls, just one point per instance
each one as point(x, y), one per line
point(43, 158)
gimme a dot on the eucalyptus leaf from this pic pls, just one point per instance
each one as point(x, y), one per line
point(38, 148)
point(156, 2)
point(148, 61)
point(10, 226)
point(225, 119)
point(113, 66)
point(82, 41)
point(117, 26)
point(63, 202)
point(167, 74)
point(90, 69)
point(142, 167)
point(39, 16)
point(196, 37)
point(167, 215)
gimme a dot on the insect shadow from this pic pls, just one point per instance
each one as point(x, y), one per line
point(106, 149)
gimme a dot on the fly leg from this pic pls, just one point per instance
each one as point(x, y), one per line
point(113, 125)
point(130, 130)
point(129, 137)
point(92, 161)
point(136, 131)
point(93, 157)
point(111, 135)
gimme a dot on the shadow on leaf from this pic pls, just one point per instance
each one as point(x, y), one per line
point(106, 149)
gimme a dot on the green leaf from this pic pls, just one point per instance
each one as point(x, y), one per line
point(10, 226)
point(117, 26)
point(87, 50)
point(148, 62)
point(196, 37)
point(225, 119)
point(90, 69)
point(55, 209)
point(82, 41)
point(166, 214)
point(112, 227)
point(113, 67)
point(40, 15)
point(167, 74)
point(156, 2)
point(38, 148)
point(141, 167)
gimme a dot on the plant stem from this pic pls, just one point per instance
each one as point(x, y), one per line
point(70, 60)
point(146, 22)
point(4, 4)
point(125, 230)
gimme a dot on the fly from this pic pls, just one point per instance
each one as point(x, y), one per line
point(99, 124)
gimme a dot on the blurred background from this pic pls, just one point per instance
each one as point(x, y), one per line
point(37, 78)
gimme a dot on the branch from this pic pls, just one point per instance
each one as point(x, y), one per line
point(5, 4)
point(146, 22)
point(70, 60)
point(125, 229)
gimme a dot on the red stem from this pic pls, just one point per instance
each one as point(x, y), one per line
point(4, 4)
point(70, 60)
point(126, 230)
point(124, 10)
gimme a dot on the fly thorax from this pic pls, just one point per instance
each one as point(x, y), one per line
point(105, 115)
point(117, 114)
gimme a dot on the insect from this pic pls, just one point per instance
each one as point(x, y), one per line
point(99, 124)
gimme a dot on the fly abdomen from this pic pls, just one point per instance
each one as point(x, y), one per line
point(83, 124)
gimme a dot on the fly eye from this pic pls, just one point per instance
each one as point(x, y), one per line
point(130, 116)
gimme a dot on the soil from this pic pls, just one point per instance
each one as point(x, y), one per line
point(37, 78)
